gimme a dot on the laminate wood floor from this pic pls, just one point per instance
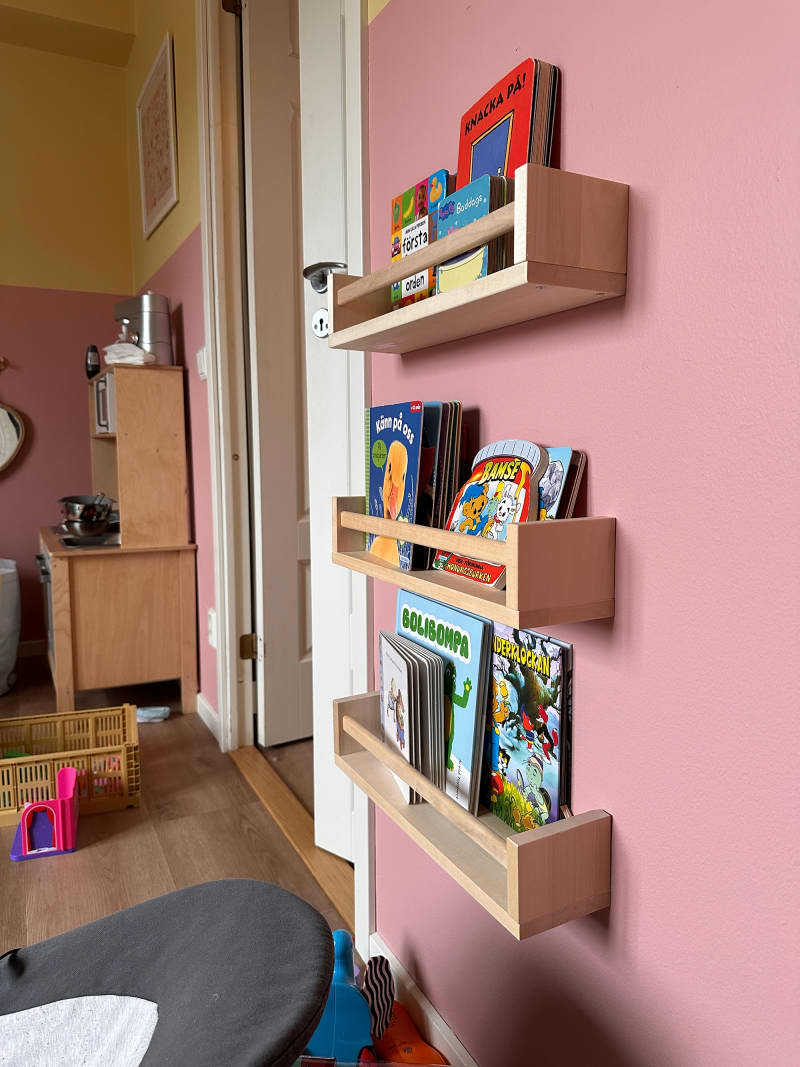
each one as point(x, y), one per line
point(199, 820)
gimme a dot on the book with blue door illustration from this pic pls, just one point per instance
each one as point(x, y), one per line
point(511, 124)
point(463, 642)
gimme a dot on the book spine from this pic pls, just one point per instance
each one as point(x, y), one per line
point(367, 460)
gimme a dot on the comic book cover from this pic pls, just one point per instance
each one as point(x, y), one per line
point(392, 440)
point(497, 493)
point(495, 133)
point(462, 640)
point(527, 730)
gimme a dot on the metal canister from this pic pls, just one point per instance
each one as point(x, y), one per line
point(145, 322)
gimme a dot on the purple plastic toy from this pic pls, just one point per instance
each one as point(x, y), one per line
point(49, 827)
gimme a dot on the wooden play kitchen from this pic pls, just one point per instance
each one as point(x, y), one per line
point(570, 249)
point(126, 614)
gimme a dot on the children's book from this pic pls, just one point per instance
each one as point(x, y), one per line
point(428, 476)
point(559, 485)
point(511, 124)
point(393, 442)
point(395, 704)
point(501, 490)
point(462, 640)
point(526, 758)
point(462, 207)
point(410, 233)
point(552, 482)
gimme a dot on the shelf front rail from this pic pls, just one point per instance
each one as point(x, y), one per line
point(529, 882)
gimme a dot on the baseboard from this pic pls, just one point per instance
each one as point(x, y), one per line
point(427, 1019)
point(208, 715)
point(32, 648)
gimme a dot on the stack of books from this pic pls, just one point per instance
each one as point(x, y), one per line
point(510, 125)
point(412, 454)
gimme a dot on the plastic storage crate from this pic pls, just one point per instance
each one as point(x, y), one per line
point(102, 745)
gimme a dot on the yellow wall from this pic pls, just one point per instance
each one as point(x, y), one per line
point(64, 222)
point(112, 14)
point(69, 155)
point(375, 7)
point(153, 18)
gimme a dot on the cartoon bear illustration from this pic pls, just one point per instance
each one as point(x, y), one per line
point(472, 509)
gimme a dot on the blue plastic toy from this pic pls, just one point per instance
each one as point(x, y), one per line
point(344, 1029)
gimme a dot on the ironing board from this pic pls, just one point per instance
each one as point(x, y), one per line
point(234, 972)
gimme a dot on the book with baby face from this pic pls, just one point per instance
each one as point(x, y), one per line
point(392, 446)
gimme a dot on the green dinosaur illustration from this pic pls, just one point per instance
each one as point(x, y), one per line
point(451, 697)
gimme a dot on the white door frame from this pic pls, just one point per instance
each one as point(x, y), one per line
point(333, 98)
point(217, 54)
point(221, 185)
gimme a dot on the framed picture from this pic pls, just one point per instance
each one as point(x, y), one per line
point(158, 155)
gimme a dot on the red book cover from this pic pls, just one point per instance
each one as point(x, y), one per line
point(495, 132)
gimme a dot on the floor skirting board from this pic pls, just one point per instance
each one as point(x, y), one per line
point(428, 1021)
point(334, 875)
point(209, 716)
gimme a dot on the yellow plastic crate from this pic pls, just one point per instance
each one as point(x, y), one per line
point(102, 745)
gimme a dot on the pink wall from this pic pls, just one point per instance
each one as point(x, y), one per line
point(181, 279)
point(684, 394)
point(45, 333)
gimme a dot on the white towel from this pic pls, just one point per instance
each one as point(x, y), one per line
point(125, 352)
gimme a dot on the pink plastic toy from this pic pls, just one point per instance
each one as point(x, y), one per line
point(49, 827)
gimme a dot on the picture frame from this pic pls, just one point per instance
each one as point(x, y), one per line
point(158, 152)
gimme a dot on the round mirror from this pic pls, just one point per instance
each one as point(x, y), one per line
point(12, 434)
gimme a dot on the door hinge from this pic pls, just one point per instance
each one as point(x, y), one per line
point(233, 7)
point(250, 646)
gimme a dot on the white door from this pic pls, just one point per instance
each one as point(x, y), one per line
point(333, 109)
point(279, 519)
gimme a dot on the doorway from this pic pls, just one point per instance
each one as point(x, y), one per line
point(302, 138)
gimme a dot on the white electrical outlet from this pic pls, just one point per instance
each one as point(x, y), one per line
point(202, 368)
point(212, 627)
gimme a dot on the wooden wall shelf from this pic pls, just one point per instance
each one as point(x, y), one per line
point(557, 571)
point(529, 882)
point(570, 249)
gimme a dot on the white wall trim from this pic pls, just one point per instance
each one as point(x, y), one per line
point(208, 715)
point(427, 1019)
point(356, 44)
point(217, 80)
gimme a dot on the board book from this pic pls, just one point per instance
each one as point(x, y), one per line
point(462, 207)
point(462, 640)
point(502, 489)
point(414, 214)
point(511, 124)
point(528, 729)
point(392, 446)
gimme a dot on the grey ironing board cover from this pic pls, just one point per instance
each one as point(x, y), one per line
point(239, 969)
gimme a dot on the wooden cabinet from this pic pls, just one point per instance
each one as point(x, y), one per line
point(126, 614)
point(120, 617)
point(141, 460)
